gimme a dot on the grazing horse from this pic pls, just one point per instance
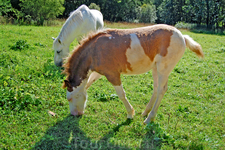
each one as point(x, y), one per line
point(113, 52)
point(80, 22)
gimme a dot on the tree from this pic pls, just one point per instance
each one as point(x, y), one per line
point(94, 6)
point(147, 13)
point(5, 7)
point(40, 10)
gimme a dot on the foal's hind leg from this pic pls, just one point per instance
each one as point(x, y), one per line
point(154, 95)
point(121, 93)
point(162, 88)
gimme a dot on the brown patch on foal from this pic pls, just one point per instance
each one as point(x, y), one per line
point(155, 40)
point(111, 47)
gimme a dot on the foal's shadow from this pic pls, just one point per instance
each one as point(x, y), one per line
point(66, 134)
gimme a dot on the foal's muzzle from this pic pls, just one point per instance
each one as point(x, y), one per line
point(77, 113)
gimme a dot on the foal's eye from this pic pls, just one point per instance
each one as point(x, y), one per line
point(58, 51)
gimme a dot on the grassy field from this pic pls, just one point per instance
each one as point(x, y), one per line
point(191, 114)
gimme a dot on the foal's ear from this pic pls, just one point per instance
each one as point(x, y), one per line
point(67, 84)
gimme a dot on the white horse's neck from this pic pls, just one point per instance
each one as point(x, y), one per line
point(66, 36)
point(69, 30)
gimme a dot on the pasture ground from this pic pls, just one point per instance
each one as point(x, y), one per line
point(191, 114)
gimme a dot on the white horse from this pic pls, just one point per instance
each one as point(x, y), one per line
point(113, 52)
point(80, 22)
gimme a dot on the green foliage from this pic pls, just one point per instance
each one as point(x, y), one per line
point(156, 136)
point(104, 97)
point(208, 12)
point(5, 7)
point(20, 45)
point(94, 6)
point(147, 13)
point(40, 10)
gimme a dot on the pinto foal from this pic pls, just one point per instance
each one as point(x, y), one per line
point(113, 52)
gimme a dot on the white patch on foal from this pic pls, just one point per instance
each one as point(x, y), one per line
point(140, 62)
point(77, 99)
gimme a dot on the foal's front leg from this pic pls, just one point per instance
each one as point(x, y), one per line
point(121, 93)
point(93, 77)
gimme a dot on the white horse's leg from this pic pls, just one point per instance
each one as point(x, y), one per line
point(154, 95)
point(93, 77)
point(121, 93)
point(162, 88)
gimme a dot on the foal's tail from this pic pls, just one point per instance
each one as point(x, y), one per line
point(193, 46)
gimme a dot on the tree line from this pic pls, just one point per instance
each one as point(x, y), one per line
point(210, 13)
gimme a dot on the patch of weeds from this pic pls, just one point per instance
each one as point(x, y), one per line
point(20, 45)
point(51, 71)
point(39, 44)
point(181, 109)
point(180, 71)
point(196, 146)
point(18, 99)
point(221, 50)
point(156, 136)
point(105, 97)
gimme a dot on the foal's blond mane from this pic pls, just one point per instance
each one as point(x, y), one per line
point(73, 60)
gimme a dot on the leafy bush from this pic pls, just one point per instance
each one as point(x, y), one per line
point(147, 13)
point(94, 6)
point(5, 7)
point(20, 45)
point(40, 10)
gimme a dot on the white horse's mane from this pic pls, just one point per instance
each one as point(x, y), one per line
point(74, 19)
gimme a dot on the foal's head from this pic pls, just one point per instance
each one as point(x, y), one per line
point(77, 69)
point(77, 97)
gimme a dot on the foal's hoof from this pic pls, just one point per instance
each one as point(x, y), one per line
point(144, 114)
point(148, 121)
point(131, 114)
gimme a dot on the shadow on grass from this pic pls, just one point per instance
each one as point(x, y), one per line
point(66, 134)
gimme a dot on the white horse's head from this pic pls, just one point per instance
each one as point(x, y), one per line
point(77, 98)
point(61, 51)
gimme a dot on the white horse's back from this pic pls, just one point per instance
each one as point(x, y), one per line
point(98, 17)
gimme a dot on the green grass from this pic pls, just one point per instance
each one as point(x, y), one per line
point(191, 115)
